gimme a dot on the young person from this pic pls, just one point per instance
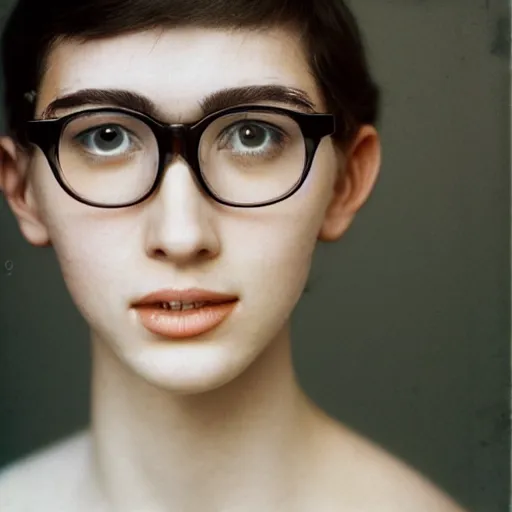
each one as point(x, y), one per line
point(184, 159)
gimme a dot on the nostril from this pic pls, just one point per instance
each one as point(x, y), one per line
point(204, 254)
point(159, 253)
point(198, 256)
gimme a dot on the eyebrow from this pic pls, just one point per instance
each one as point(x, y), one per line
point(214, 102)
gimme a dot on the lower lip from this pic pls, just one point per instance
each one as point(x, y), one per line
point(184, 324)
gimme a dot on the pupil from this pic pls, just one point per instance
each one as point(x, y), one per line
point(106, 138)
point(252, 136)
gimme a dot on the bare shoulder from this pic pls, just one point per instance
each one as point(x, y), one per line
point(363, 476)
point(49, 479)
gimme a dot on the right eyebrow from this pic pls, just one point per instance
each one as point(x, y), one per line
point(116, 97)
point(214, 102)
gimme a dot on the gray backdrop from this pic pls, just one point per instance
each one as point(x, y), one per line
point(405, 334)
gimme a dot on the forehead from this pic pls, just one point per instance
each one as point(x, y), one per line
point(176, 68)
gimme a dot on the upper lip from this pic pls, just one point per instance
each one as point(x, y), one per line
point(190, 295)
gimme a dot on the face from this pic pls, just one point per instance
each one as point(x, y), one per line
point(180, 238)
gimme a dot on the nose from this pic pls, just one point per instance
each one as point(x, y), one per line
point(182, 226)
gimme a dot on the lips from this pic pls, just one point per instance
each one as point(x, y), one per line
point(181, 314)
point(186, 296)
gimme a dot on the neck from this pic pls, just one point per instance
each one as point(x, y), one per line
point(233, 447)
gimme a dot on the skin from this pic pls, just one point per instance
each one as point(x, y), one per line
point(218, 423)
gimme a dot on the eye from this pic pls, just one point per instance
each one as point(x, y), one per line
point(251, 138)
point(107, 140)
point(252, 135)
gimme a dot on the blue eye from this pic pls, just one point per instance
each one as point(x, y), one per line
point(107, 140)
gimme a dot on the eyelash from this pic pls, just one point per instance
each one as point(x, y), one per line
point(78, 138)
point(275, 132)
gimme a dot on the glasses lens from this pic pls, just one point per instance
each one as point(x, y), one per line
point(252, 157)
point(108, 158)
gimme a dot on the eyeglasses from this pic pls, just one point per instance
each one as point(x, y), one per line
point(248, 156)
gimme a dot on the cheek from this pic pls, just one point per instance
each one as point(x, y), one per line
point(82, 236)
point(91, 248)
point(94, 263)
point(271, 264)
point(276, 248)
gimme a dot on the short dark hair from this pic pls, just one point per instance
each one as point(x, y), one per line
point(327, 28)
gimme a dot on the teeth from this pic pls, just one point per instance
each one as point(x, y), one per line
point(181, 306)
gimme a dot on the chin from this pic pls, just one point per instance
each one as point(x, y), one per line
point(188, 368)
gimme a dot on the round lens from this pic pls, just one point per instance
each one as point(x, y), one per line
point(252, 157)
point(108, 157)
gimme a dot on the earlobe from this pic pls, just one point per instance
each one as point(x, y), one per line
point(357, 176)
point(18, 193)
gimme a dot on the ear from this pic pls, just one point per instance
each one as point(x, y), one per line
point(18, 192)
point(358, 171)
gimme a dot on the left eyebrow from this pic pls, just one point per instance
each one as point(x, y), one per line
point(214, 102)
point(233, 97)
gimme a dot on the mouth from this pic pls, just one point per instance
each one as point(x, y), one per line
point(178, 315)
point(184, 306)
